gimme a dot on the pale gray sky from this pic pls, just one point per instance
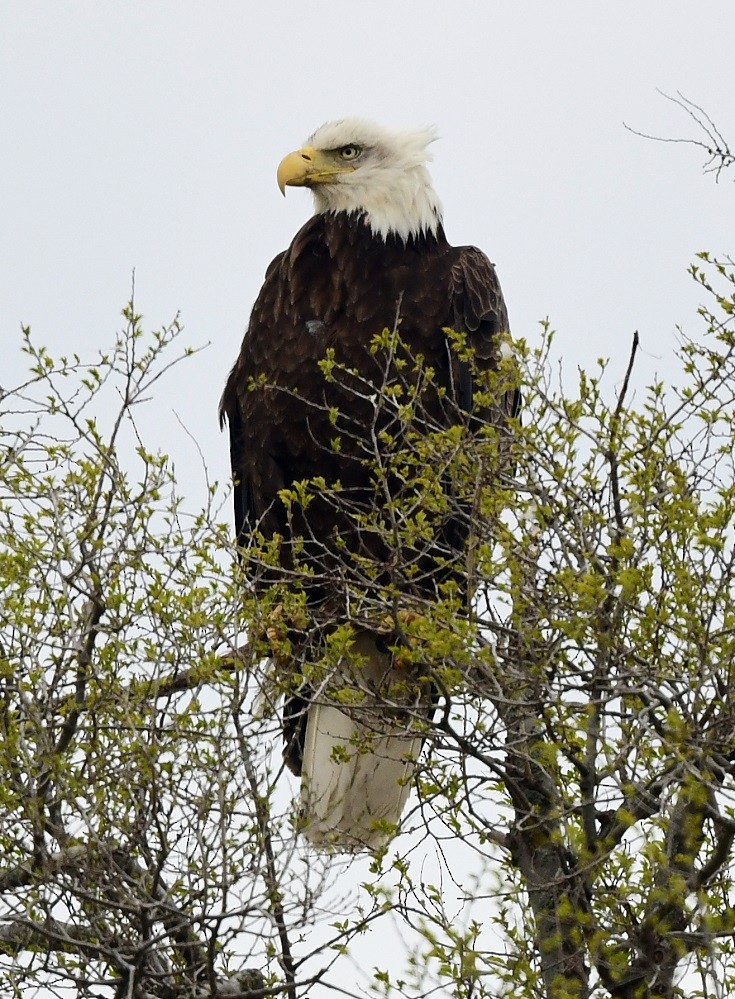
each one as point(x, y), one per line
point(146, 135)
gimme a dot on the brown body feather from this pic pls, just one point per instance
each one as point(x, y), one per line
point(337, 286)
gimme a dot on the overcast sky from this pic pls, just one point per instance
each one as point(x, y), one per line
point(146, 135)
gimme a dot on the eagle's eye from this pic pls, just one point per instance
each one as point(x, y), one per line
point(349, 152)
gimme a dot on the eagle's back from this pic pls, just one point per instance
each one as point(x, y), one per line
point(332, 291)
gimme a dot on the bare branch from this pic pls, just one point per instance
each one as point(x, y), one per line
point(719, 155)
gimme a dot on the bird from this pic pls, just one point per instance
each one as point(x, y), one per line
point(369, 294)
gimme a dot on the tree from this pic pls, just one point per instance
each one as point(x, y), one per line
point(610, 685)
point(576, 790)
point(142, 850)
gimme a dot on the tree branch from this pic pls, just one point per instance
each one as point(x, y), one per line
point(720, 156)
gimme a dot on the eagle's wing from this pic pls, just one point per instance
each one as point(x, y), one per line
point(247, 493)
point(229, 412)
point(478, 309)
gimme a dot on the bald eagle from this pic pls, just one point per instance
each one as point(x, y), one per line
point(309, 401)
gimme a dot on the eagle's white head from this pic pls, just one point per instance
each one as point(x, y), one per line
point(355, 166)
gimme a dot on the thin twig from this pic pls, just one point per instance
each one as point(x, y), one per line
point(720, 155)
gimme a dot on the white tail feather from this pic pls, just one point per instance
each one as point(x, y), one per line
point(357, 767)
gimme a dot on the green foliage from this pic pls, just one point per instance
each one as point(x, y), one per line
point(132, 795)
point(573, 830)
point(612, 688)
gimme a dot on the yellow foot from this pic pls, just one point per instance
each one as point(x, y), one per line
point(390, 624)
point(276, 634)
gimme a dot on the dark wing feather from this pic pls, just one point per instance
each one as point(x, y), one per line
point(229, 412)
point(236, 399)
point(478, 300)
point(478, 309)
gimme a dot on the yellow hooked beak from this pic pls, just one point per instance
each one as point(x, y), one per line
point(308, 166)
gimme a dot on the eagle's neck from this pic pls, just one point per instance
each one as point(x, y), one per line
point(400, 204)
